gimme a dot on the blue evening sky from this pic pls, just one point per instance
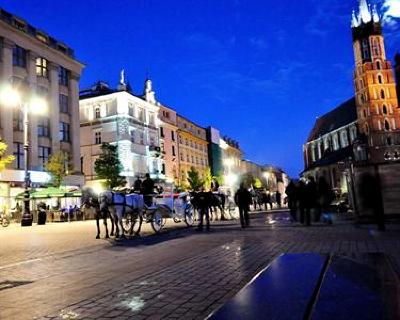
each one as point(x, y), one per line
point(260, 71)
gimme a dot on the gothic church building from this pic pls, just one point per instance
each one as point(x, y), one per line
point(363, 133)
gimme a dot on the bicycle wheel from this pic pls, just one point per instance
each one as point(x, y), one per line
point(5, 222)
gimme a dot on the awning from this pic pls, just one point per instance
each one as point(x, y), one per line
point(51, 193)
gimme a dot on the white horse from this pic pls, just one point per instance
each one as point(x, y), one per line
point(119, 205)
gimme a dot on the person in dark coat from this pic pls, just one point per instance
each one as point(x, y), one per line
point(325, 198)
point(310, 199)
point(148, 190)
point(291, 192)
point(371, 197)
point(137, 186)
point(202, 201)
point(243, 200)
point(278, 198)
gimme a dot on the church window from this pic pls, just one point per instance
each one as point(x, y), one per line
point(384, 109)
point(336, 145)
point(344, 139)
point(387, 125)
point(380, 79)
point(378, 65)
point(365, 49)
point(376, 47)
point(382, 94)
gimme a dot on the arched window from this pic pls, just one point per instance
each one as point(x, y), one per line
point(380, 79)
point(384, 109)
point(382, 94)
point(387, 125)
point(97, 112)
point(378, 65)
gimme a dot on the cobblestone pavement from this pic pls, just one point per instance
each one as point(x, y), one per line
point(181, 274)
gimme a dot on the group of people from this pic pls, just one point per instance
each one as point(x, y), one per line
point(307, 196)
point(202, 200)
point(145, 187)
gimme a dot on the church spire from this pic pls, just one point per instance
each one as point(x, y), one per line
point(375, 14)
point(365, 12)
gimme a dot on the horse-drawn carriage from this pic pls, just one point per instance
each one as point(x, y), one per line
point(128, 211)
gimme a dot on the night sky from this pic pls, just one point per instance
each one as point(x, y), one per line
point(260, 71)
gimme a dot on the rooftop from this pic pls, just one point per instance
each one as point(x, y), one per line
point(23, 26)
point(341, 116)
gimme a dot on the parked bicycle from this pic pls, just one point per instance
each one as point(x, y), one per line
point(4, 220)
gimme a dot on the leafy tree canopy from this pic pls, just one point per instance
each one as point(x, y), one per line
point(194, 180)
point(58, 167)
point(108, 167)
point(4, 160)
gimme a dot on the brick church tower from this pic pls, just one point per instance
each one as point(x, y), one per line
point(375, 87)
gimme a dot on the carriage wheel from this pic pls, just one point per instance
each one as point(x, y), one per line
point(132, 223)
point(157, 222)
point(189, 216)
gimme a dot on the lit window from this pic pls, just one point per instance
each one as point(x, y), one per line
point(41, 67)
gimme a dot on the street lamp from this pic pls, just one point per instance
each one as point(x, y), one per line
point(11, 97)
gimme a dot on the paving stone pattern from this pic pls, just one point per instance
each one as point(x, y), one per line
point(182, 274)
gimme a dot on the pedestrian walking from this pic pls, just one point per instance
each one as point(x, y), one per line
point(278, 198)
point(148, 190)
point(325, 198)
point(310, 198)
point(371, 197)
point(243, 200)
point(202, 201)
point(292, 196)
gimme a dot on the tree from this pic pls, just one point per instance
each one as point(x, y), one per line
point(208, 178)
point(194, 180)
point(58, 166)
point(4, 160)
point(248, 179)
point(108, 167)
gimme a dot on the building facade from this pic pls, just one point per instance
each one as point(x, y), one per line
point(375, 87)
point(169, 143)
point(360, 139)
point(119, 117)
point(192, 149)
point(35, 63)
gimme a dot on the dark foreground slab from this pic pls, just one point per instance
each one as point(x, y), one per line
point(313, 286)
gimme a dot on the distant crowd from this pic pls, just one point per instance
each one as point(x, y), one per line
point(307, 196)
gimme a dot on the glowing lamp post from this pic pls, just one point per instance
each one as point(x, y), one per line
point(11, 97)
